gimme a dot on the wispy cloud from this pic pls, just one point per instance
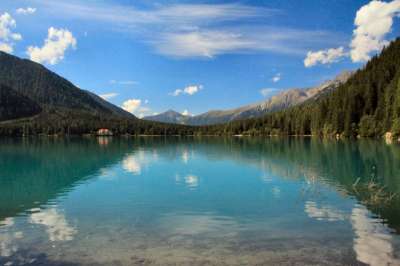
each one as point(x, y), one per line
point(123, 82)
point(108, 96)
point(189, 90)
point(197, 30)
point(25, 11)
point(211, 42)
point(266, 92)
point(176, 14)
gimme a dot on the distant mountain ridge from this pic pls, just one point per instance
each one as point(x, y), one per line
point(283, 100)
point(49, 91)
point(169, 116)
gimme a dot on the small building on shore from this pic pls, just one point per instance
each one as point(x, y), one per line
point(104, 132)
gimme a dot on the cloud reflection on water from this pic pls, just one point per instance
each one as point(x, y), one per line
point(323, 212)
point(373, 242)
point(56, 224)
point(8, 245)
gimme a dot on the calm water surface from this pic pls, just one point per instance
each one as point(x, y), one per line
point(210, 201)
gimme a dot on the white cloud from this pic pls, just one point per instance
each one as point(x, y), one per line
point(324, 56)
point(108, 96)
point(7, 36)
point(373, 21)
point(26, 11)
point(131, 105)
point(57, 226)
point(186, 112)
point(135, 107)
point(54, 48)
point(5, 47)
point(123, 82)
point(197, 30)
point(267, 91)
point(201, 44)
point(176, 14)
point(276, 78)
point(210, 43)
point(189, 90)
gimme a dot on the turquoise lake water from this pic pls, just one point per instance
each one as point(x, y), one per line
point(199, 201)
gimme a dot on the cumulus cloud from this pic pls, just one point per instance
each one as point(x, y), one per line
point(267, 91)
point(136, 107)
point(107, 96)
point(7, 36)
point(324, 56)
point(189, 90)
point(131, 105)
point(25, 11)
point(186, 112)
point(276, 78)
point(55, 45)
point(373, 21)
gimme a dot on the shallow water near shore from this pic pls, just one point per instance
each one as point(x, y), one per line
point(198, 201)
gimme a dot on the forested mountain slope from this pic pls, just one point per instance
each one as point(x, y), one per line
point(50, 91)
point(14, 105)
point(368, 104)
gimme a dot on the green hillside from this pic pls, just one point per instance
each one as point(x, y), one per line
point(368, 104)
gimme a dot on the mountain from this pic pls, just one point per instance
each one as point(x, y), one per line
point(35, 100)
point(169, 116)
point(50, 91)
point(14, 105)
point(366, 105)
point(283, 100)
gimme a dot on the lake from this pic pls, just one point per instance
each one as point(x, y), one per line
point(199, 201)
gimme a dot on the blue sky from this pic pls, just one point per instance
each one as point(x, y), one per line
point(150, 56)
